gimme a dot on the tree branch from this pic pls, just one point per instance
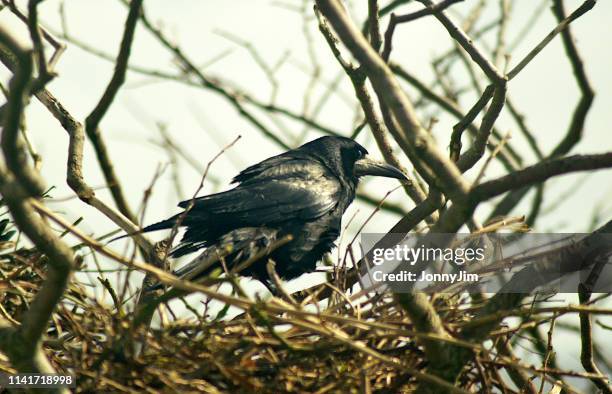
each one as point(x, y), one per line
point(22, 344)
point(13, 146)
point(93, 120)
point(389, 91)
point(540, 172)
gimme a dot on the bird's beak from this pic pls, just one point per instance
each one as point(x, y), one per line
point(367, 166)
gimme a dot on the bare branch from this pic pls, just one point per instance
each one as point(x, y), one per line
point(12, 145)
point(44, 74)
point(540, 172)
point(374, 25)
point(466, 43)
point(389, 91)
point(584, 8)
point(430, 10)
point(476, 151)
point(93, 120)
point(367, 105)
point(397, 19)
point(17, 187)
point(574, 132)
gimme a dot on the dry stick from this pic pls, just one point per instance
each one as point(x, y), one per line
point(13, 146)
point(528, 25)
point(236, 98)
point(586, 333)
point(427, 320)
point(191, 204)
point(278, 283)
point(175, 151)
point(497, 79)
point(238, 302)
point(539, 195)
point(456, 215)
point(497, 149)
point(540, 172)
point(316, 69)
point(466, 43)
point(367, 105)
point(391, 94)
point(421, 168)
point(92, 121)
point(74, 171)
point(44, 74)
point(517, 375)
point(505, 156)
point(166, 245)
point(35, 31)
point(427, 11)
point(22, 344)
point(576, 126)
point(574, 132)
point(509, 158)
point(549, 351)
point(389, 91)
point(584, 8)
point(486, 319)
point(47, 36)
point(397, 19)
point(192, 69)
point(546, 371)
point(485, 377)
point(520, 122)
point(159, 245)
point(36, 158)
point(374, 25)
point(468, 159)
point(459, 128)
point(451, 55)
point(500, 48)
point(330, 89)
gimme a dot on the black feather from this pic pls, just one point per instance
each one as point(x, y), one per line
point(303, 193)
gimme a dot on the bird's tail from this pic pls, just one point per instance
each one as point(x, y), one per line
point(163, 225)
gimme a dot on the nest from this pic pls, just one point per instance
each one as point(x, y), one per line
point(328, 338)
point(96, 343)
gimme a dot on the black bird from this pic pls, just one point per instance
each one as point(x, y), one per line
point(302, 193)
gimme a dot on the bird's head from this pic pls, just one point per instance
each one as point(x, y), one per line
point(349, 159)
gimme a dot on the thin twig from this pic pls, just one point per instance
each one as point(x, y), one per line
point(93, 120)
point(583, 9)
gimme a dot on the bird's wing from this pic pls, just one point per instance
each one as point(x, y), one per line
point(294, 188)
point(289, 162)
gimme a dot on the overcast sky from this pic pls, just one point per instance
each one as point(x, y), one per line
point(202, 122)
